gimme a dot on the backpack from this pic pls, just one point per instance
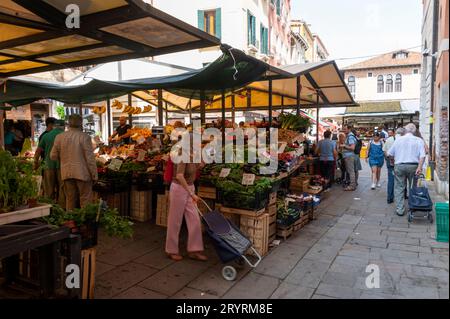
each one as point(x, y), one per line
point(358, 146)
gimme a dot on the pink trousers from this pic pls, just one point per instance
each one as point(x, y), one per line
point(181, 204)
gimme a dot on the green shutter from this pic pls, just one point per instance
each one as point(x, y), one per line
point(201, 19)
point(261, 38)
point(219, 23)
point(249, 27)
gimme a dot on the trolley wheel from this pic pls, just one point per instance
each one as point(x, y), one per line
point(229, 273)
point(410, 216)
point(430, 217)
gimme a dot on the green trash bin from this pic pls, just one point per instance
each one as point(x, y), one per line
point(442, 222)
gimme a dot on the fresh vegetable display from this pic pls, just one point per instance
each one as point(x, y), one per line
point(17, 183)
point(294, 122)
point(114, 224)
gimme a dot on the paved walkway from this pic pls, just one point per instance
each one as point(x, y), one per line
point(325, 259)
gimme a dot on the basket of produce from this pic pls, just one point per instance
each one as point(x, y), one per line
point(286, 215)
point(234, 195)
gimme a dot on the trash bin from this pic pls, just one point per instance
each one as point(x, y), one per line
point(442, 222)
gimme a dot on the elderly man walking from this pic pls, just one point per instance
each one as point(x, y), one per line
point(390, 161)
point(78, 168)
point(409, 154)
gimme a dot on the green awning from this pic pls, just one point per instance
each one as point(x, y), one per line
point(233, 70)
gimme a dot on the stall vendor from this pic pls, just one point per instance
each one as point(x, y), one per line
point(121, 133)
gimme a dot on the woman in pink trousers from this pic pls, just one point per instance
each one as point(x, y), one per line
point(183, 201)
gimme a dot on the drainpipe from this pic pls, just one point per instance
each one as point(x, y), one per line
point(434, 49)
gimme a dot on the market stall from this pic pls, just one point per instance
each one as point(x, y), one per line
point(262, 205)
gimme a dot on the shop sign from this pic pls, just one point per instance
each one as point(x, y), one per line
point(21, 113)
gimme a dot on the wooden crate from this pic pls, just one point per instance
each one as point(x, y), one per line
point(257, 230)
point(284, 232)
point(88, 260)
point(298, 184)
point(120, 201)
point(272, 212)
point(206, 192)
point(272, 229)
point(162, 209)
point(242, 212)
point(272, 198)
point(300, 223)
point(141, 205)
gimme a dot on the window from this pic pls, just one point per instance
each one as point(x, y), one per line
point(264, 41)
point(400, 55)
point(369, 75)
point(416, 71)
point(380, 84)
point(398, 83)
point(389, 83)
point(278, 7)
point(351, 84)
point(251, 29)
point(210, 22)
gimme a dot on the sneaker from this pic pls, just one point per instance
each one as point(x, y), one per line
point(373, 186)
point(379, 185)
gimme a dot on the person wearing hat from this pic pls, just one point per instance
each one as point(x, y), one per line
point(51, 174)
point(74, 150)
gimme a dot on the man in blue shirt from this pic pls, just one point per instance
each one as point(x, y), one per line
point(348, 153)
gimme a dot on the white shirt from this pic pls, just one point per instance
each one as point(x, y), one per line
point(389, 142)
point(407, 149)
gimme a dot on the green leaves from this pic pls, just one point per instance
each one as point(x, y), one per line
point(294, 122)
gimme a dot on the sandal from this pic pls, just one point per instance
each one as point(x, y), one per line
point(198, 256)
point(175, 257)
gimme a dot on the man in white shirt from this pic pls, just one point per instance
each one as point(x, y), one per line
point(390, 161)
point(409, 154)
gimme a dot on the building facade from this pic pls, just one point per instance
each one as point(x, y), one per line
point(434, 94)
point(388, 83)
point(261, 28)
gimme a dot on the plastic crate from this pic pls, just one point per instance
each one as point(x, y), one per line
point(442, 222)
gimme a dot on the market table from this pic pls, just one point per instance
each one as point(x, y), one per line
point(18, 238)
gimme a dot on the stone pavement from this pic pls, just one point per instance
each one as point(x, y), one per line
point(325, 259)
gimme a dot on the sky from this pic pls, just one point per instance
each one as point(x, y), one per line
point(355, 28)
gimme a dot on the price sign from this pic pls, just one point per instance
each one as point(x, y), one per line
point(141, 156)
point(131, 147)
point(115, 164)
point(225, 172)
point(248, 179)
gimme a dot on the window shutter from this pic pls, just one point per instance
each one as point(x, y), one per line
point(249, 27)
point(201, 19)
point(219, 23)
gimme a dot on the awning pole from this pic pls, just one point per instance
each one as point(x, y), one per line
point(299, 88)
point(160, 107)
point(130, 116)
point(270, 102)
point(80, 108)
point(190, 111)
point(202, 107)
point(2, 138)
point(223, 118)
point(317, 119)
point(233, 101)
point(167, 113)
point(108, 116)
